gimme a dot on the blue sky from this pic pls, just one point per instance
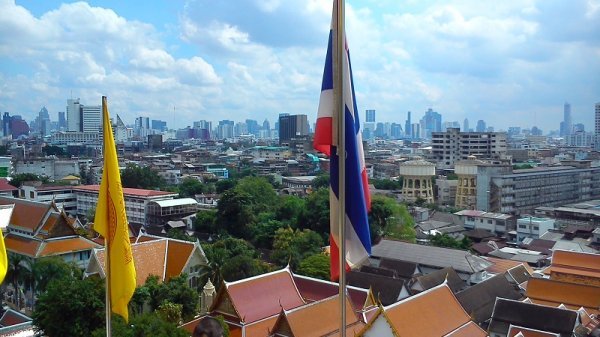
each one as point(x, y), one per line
point(509, 63)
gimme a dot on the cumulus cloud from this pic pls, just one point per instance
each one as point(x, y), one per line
point(506, 62)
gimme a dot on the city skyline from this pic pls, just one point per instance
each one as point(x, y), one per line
point(187, 61)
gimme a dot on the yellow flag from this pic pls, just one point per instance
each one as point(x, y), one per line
point(3, 258)
point(111, 222)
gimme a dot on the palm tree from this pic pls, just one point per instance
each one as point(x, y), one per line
point(15, 271)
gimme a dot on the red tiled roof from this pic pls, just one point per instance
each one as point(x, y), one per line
point(312, 289)
point(178, 253)
point(6, 187)
point(11, 317)
point(576, 263)
point(467, 330)
point(134, 192)
point(501, 265)
point(261, 328)
point(263, 296)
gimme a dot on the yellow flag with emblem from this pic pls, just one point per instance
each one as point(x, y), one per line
point(5, 214)
point(111, 222)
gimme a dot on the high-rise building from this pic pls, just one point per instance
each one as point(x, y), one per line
point(465, 125)
point(159, 125)
point(73, 115)
point(431, 122)
point(292, 126)
point(6, 124)
point(91, 118)
point(62, 121)
point(480, 126)
point(252, 127)
point(225, 129)
point(566, 127)
point(597, 119)
point(408, 126)
point(370, 116)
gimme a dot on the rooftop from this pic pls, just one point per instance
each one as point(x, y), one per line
point(128, 192)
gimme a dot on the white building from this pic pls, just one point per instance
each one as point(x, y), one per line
point(75, 137)
point(533, 227)
point(73, 115)
point(91, 118)
point(451, 146)
point(63, 196)
point(52, 168)
point(494, 222)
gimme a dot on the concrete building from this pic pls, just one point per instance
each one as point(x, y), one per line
point(466, 189)
point(292, 126)
point(75, 137)
point(73, 115)
point(91, 118)
point(418, 180)
point(597, 118)
point(494, 222)
point(451, 146)
point(445, 191)
point(62, 196)
point(533, 227)
point(52, 168)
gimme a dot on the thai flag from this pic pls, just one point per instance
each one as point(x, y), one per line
point(358, 200)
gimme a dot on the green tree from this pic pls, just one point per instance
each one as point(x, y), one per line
point(289, 210)
point(205, 221)
point(15, 272)
point(320, 181)
point(52, 150)
point(387, 184)
point(70, 307)
point(315, 215)
point(178, 234)
point(224, 185)
point(263, 232)
point(189, 187)
point(388, 217)
point(261, 192)
point(170, 312)
point(135, 176)
point(445, 240)
point(148, 324)
point(141, 296)
point(226, 256)
point(235, 212)
point(292, 246)
point(176, 290)
point(316, 265)
point(18, 179)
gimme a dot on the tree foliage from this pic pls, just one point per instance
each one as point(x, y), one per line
point(205, 221)
point(316, 265)
point(148, 324)
point(292, 246)
point(70, 307)
point(190, 186)
point(235, 212)
point(231, 259)
point(320, 181)
point(18, 179)
point(387, 184)
point(176, 290)
point(445, 240)
point(315, 215)
point(389, 218)
point(53, 150)
point(135, 176)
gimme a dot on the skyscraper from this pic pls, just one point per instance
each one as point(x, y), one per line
point(408, 126)
point(597, 119)
point(465, 125)
point(292, 126)
point(6, 124)
point(62, 120)
point(566, 127)
point(73, 115)
point(370, 116)
point(480, 126)
point(91, 118)
point(431, 122)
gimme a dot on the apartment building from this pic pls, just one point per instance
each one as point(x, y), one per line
point(533, 227)
point(493, 222)
point(451, 146)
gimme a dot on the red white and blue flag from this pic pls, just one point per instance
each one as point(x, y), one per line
point(358, 200)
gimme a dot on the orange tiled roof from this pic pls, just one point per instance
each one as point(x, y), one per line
point(11, 317)
point(500, 266)
point(21, 245)
point(526, 332)
point(572, 295)
point(27, 214)
point(133, 192)
point(263, 296)
point(66, 245)
point(470, 329)
point(6, 187)
point(576, 260)
point(261, 328)
point(148, 257)
point(435, 312)
point(178, 253)
point(326, 312)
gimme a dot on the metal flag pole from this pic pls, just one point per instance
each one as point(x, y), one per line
point(341, 152)
point(106, 240)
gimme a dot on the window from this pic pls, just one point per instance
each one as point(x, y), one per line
point(490, 222)
point(522, 226)
point(536, 228)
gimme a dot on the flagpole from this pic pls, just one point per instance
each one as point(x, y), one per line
point(341, 152)
point(106, 240)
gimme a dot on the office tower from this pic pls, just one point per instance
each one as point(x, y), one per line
point(18, 126)
point(240, 128)
point(535, 131)
point(292, 126)
point(159, 125)
point(597, 119)
point(266, 125)
point(415, 132)
point(480, 126)
point(225, 129)
point(431, 122)
point(579, 127)
point(370, 116)
point(408, 126)
point(6, 124)
point(91, 120)
point(252, 126)
point(73, 115)
point(466, 125)
point(396, 131)
point(566, 126)
point(62, 120)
